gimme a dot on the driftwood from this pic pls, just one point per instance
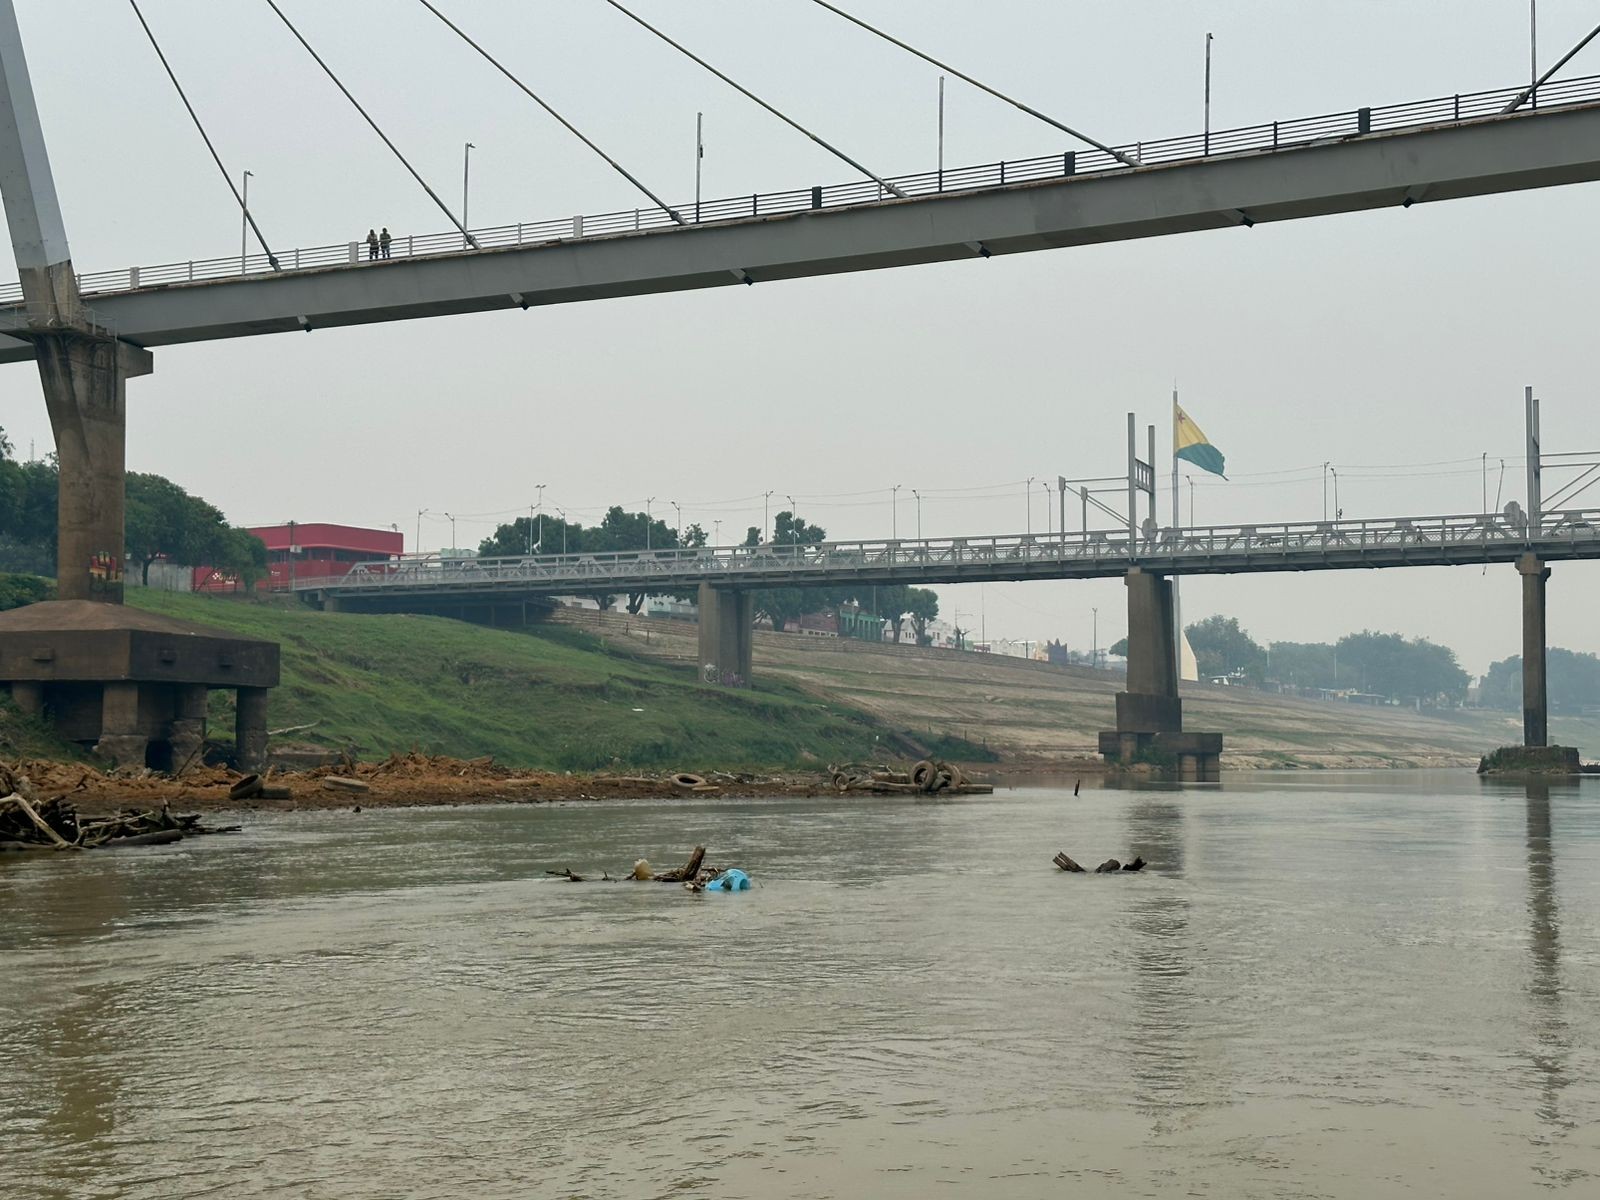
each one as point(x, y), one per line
point(343, 783)
point(927, 777)
point(568, 874)
point(1108, 867)
point(28, 822)
point(33, 815)
point(688, 872)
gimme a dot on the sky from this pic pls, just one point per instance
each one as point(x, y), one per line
point(1394, 345)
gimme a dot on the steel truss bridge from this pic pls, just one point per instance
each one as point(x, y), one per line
point(1441, 148)
point(1097, 554)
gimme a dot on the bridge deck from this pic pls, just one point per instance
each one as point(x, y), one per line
point(1232, 549)
point(1438, 149)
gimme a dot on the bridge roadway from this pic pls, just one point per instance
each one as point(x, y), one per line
point(1216, 550)
point(1423, 151)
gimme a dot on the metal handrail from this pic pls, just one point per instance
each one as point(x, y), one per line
point(1473, 107)
point(1172, 548)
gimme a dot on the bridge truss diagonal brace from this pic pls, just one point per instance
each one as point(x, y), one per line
point(85, 391)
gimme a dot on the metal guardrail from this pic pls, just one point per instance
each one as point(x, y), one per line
point(1418, 540)
point(1275, 135)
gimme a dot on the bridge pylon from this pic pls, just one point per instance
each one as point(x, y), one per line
point(1150, 712)
point(727, 635)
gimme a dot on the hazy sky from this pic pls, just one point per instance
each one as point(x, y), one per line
point(1394, 344)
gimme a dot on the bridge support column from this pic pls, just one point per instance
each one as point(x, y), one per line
point(250, 728)
point(1535, 702)
point(1150, 714)
point(727, 635)
point(85, 389)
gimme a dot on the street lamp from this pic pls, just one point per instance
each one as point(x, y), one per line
point(540, 543)
point(1338, 513)
point(716, 533)
point(1028, 492)
point(794, 527)
point(1045, 484)
point(649, 500)
point(766, 506)
point(1325, 467)
point(452, 535)
point(416, 547)
point(1094, 641)
point(466, 177)
point(894, 504)
point(677, 508)
point(918, 496)
point(244, 222)
point(562, 513)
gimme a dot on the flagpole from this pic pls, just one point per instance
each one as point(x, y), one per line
point(1177, 606)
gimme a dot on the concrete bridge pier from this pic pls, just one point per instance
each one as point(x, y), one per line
point(727, 635)
point(1150, 714)
point(1535, 698)
point(85, 389)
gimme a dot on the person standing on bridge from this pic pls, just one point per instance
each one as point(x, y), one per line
point(383, 241)
point(372, 245)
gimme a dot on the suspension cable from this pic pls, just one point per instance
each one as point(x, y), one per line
point(833, 150)
point(1128, 160)
point(443, 207)
point(205, 137)
point(539, 100)
point(1533, 87)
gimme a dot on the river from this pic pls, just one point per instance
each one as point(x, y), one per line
point(1365, 985)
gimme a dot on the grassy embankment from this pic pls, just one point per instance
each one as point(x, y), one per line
point(555, 698)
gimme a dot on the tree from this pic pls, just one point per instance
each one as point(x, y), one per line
point(1118, 649)
point(890, 602)
point(922, 606)
point(164, 521)
point(1388, 665)
point(781, 605)
point(1572, 681)
point(1221, 648)
point(243, 555)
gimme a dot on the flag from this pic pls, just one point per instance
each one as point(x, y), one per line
point(1190, 444)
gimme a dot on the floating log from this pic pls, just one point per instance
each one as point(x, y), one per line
point(158, 837)
point(688, 871)
point(1138, 864)
point(1108, 866)
point(1066, 864)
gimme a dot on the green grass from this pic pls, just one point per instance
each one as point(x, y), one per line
point(551, 697)
point(28, 737)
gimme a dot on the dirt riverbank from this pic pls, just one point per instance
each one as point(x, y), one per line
point(400, 781)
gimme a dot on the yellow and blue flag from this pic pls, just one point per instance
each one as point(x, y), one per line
point(1191, 445)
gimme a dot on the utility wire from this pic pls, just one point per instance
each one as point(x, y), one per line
point(205, 137)
point(687, 53)
point(472, 241)
point(998, 95)
point(570, 127)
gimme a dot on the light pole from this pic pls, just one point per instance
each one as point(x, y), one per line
point(530, 528)
point(244, 222)
point(416, 547)
point(794, 522)
point(649, 500)
point(562, 513)
point(894, 506)
point(452, 535)
point(466, 177)
point(918, 497)
point(699, 158)
point(677, 508)
point(1045, 484)
point(1325, 467)
point(941, 133)
point(1533, 53)
point(1208, 95)
point(1028, 491)
point(540, 542)
point(1094, 640)
point(716, 533)
point(766, 507)
point(1338, 513)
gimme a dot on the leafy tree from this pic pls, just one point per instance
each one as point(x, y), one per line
point(1304, 664)
point(1222, 648)
point(922, 606)
point(17, 590)
point(243, 555)
point(164, 521)
point(1119, 649)
point(890, 602)
point(781, 605)
point(1572, 680)
point(1388, 665)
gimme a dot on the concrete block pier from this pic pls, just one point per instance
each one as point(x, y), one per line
point(727, 635)
point(1150, 714)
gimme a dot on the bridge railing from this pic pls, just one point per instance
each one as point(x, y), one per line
point(672, 566)
point(1274, 135)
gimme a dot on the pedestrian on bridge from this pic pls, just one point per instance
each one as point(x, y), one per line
point(383, 241)
point(372, 245)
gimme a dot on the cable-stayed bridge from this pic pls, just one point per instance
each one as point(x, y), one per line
point(1398, 155)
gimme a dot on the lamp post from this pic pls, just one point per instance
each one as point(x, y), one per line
point(244, 222)
point(452, 535)
point(766, 507)
point(1338, 513)
point(540, 542)
point(416, 547)
point(716, 533)
point(1045, 484)
point(1208, 95)
point(894, 507)
point(918, 496)
point(1533, 52)
point(466, 178)
point(699, 158)
point(649, 500)
point(677, 508)
point(1094, 639)
point(562, 513)
point(1325, 467)
point(794, 527)
point(1028, 491)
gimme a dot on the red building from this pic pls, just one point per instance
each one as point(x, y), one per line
point(309, 550)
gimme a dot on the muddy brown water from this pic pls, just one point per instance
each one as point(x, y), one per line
point(1360, 985)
